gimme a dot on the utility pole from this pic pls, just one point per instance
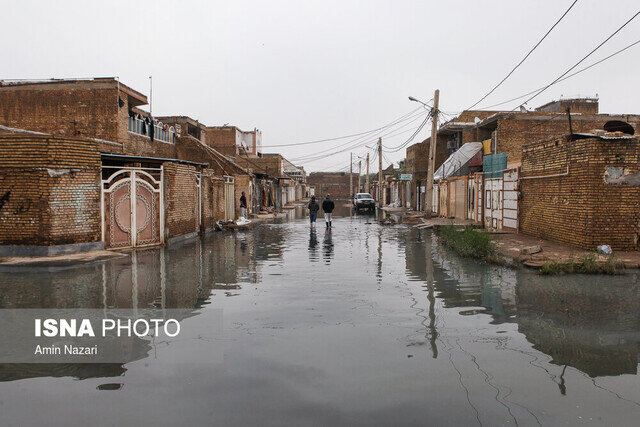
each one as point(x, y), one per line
point(380, 194)
point(351, 178)
point(569, 117)
point(367, 175)
point(359, 175)
point(432, 153)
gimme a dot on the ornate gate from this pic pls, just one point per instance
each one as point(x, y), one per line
point(130, 221)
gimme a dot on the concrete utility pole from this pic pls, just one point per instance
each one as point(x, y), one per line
point(432, 153)
point(367, 175)
point(380, 193)
point(359, 175)
point(351, 178)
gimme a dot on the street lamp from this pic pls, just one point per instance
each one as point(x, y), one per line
point(411, 98)
point(433, 141)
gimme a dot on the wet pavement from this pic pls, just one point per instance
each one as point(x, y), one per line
point(363, 324)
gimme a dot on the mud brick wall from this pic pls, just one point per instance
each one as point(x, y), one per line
point(580, 209)
point(180, 192)
point(217, 186)
point(417, 160)
point(334, 183)
point(68, 110)
point(49, 191)
point(222, 139)
point(269, 164)
point(243, 183)
point(208, 200)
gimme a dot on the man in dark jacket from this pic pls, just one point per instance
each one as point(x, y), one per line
point(314, 207)
point(327, 207)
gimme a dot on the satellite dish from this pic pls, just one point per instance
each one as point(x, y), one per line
point(476, 120)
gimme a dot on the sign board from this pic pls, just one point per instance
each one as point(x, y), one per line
point(406, 177)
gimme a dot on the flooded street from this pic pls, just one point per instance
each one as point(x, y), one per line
point(363, 324)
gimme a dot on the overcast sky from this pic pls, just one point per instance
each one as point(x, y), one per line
point(307, 70)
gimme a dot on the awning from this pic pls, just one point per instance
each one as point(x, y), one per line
point(457, 160)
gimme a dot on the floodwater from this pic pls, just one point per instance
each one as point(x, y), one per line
point(363, 324)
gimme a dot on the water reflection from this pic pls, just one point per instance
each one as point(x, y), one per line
point(396, 326)
point(186, 275)
point(327, 246)
point(591, 323)
point(313, 244)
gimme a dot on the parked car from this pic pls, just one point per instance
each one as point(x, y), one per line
point(364, 201)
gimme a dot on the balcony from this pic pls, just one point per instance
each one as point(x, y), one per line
point(140, 126)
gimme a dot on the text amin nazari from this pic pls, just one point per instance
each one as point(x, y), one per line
point(66, 349)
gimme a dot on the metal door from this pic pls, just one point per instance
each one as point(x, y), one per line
point(471, 199)
point(229, 199)
point(132, 208)
point(510, 199)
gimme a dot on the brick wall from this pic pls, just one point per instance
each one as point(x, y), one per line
point(50, 190)
point(68, 111)
point(217, 187)
point(334, 183)
point(580, 209)
point(268, 164)
point(180, 199)
point(222, 139)
point(516, 131)
point(79, 109)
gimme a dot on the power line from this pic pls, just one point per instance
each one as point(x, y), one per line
point(348, 148)
point(583, 58)
point(316, 154)
point(408, 141)
point(320, 155)
point(525, 57)
point(399, 119)
point(566, 77)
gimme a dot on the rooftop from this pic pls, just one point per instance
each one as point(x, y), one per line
point(73, 83)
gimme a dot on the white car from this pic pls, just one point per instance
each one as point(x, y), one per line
point(364, 201)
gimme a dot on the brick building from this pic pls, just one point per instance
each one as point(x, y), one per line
point(289, 180)
point(232, 141)
point(451, 136)
point(509, 131)
point(88, 147)
point(583, 190)
point(506, 132)
point(334, 183)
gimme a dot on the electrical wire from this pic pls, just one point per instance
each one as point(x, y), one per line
point(321, 154)
point(583, 58)
point(410, 139)
point(525, 57)
point(566, 77)
point(399, 119)
point(362, 138)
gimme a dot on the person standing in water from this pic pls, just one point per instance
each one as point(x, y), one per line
point(243, 205)
point(327, 207)
point(313, 211)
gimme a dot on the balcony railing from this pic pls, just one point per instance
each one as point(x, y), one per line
point(141, 127)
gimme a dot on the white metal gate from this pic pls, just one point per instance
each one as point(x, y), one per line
point(132, 207)
point(229, 199)
point(493, 203)
point(510, 199)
